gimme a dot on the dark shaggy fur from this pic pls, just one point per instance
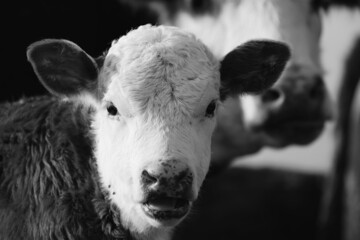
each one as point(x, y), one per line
point(49, 186)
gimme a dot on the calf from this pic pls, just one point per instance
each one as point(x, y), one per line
point(121, 149)
point(296, 108)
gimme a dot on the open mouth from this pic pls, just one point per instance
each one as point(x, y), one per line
point(166, 208)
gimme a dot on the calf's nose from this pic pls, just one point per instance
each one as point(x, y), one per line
point(317, 89)
point(296, 92)
point(172, 178)
point(273, 98)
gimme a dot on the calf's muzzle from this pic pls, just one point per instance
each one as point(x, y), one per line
point(168, 189)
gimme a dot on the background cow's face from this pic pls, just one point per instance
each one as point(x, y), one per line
point(155, 96)
point(295, 109)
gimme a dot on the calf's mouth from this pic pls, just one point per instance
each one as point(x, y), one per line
point(162, 207)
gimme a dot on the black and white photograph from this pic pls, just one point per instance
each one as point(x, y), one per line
point(180, 120)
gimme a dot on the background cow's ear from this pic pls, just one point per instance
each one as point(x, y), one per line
point(63, 67)
point(252, 67)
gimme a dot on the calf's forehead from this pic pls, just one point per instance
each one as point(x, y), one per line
point(163, 68)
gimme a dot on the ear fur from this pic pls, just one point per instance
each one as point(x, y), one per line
point(252, 67)
point(63, 67)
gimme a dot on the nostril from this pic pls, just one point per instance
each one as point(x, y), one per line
point(317, 90)
point(147, 178)
point(271, 95)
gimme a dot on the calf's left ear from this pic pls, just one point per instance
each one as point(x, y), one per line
point(252, 67)
point(63, 67)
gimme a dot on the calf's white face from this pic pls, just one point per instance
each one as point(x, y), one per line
point(155, 96)
point(157, 113)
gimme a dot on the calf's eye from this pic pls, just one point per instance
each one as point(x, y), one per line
point(112, 110)
point(210, 110)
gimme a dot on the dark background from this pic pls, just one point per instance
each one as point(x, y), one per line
point(92, 24)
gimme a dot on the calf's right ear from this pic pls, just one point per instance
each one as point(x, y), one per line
point(63, 67)
point(252, 67)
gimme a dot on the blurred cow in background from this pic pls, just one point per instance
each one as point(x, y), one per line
point(296, 108)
